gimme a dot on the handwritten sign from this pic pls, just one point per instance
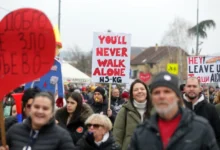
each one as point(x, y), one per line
point(111, 58)
point(206, 69)
point(145, 77)
point(27, 47)
point(173, 69)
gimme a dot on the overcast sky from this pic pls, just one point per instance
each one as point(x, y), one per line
point(146, 20)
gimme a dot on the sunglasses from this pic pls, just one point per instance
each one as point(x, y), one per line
point(94, 125)
point(28, 105)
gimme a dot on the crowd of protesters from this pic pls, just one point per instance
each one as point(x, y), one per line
point(161, 116)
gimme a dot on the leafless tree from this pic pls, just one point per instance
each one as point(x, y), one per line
point(80, 59)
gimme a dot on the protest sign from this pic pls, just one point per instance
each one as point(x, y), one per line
point(145, 77)
point(205, 68)
point(173, 68)
point(27, 49)
point(111, 57)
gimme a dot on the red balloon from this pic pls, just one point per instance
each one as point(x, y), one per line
point(27, 48)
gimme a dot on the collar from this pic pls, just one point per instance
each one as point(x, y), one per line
point(139, 105)
point(201, 98)
point(104, 139)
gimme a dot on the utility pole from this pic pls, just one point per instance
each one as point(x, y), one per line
point(197, 30)
point(59, 15)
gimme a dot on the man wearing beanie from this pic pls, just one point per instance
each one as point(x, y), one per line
point(172, 127)
point(100, 104)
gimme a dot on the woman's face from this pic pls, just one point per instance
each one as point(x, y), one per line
point(97, 129)
point(139, 92)
point(13, 111)
point(41, 111)
point(71, 105)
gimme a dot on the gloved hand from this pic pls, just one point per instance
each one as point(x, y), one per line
point(90, 138)
point(59, 102)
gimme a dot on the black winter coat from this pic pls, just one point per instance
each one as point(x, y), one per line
point(86, 143)
point(209, 112)
point(103, 107)
point(76, 126)
point(192, 133)
point(117, 103)
point(50, 137)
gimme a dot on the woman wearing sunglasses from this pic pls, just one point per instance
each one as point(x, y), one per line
point(73, 116)
point(99, 134)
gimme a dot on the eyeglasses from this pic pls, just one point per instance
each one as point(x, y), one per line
point(94, 125)
point(28, 105)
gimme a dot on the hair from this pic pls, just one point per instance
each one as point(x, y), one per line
point(47, 95)
point(182, 87)
point(148, 98)
point(194, 78)
point(217, 97)
point(29, 94)
point(78, 98)
point(101, 119)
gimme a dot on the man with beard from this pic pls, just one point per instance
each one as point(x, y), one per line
point(196, 101)
point(116, 100)
point(172, 127)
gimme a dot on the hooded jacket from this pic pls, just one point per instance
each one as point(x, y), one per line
point(206, 110)
point(76, 126)
point(192, 133)
point(49, 137)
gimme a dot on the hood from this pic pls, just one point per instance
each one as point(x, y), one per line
point(201, 99)
point(86, 112)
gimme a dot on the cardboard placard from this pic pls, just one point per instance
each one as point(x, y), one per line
point(111, 57)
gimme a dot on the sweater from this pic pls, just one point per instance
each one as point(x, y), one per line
point(141, 108)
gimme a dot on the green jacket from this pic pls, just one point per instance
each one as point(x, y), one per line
point(124, 126)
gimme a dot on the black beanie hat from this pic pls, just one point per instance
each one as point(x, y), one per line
point(166, 79)
point(101, 91)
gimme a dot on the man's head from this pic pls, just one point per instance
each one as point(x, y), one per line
point(115, 92)
point(165, 94)
point(99, 94)
point(192, 88)
point(27, 100)
point(211, 89)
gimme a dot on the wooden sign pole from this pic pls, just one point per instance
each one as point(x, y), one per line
point(109, 95)
point(2, 123)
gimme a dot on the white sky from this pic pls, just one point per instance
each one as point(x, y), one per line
point(146, 20)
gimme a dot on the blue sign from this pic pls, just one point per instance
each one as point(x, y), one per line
point(51, 82)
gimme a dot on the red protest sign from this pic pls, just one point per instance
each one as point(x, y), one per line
point(144, 76)
point(27, 48)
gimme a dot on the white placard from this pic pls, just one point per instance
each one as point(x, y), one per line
point(111, 57)
point(206, 69)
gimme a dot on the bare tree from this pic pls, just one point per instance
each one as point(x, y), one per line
point(177, 35)
point(80, 59)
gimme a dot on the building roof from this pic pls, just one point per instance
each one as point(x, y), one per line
point(152, 55)
point(135, 51)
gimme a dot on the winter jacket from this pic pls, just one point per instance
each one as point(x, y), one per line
point(76, 126)
point(192, 133)
point(117, 103)
point(9, 122)
point(87, 143)
point(208, 111)
point(126, 121)
point(103, 108)
point(49, 137)
point(217, 106)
